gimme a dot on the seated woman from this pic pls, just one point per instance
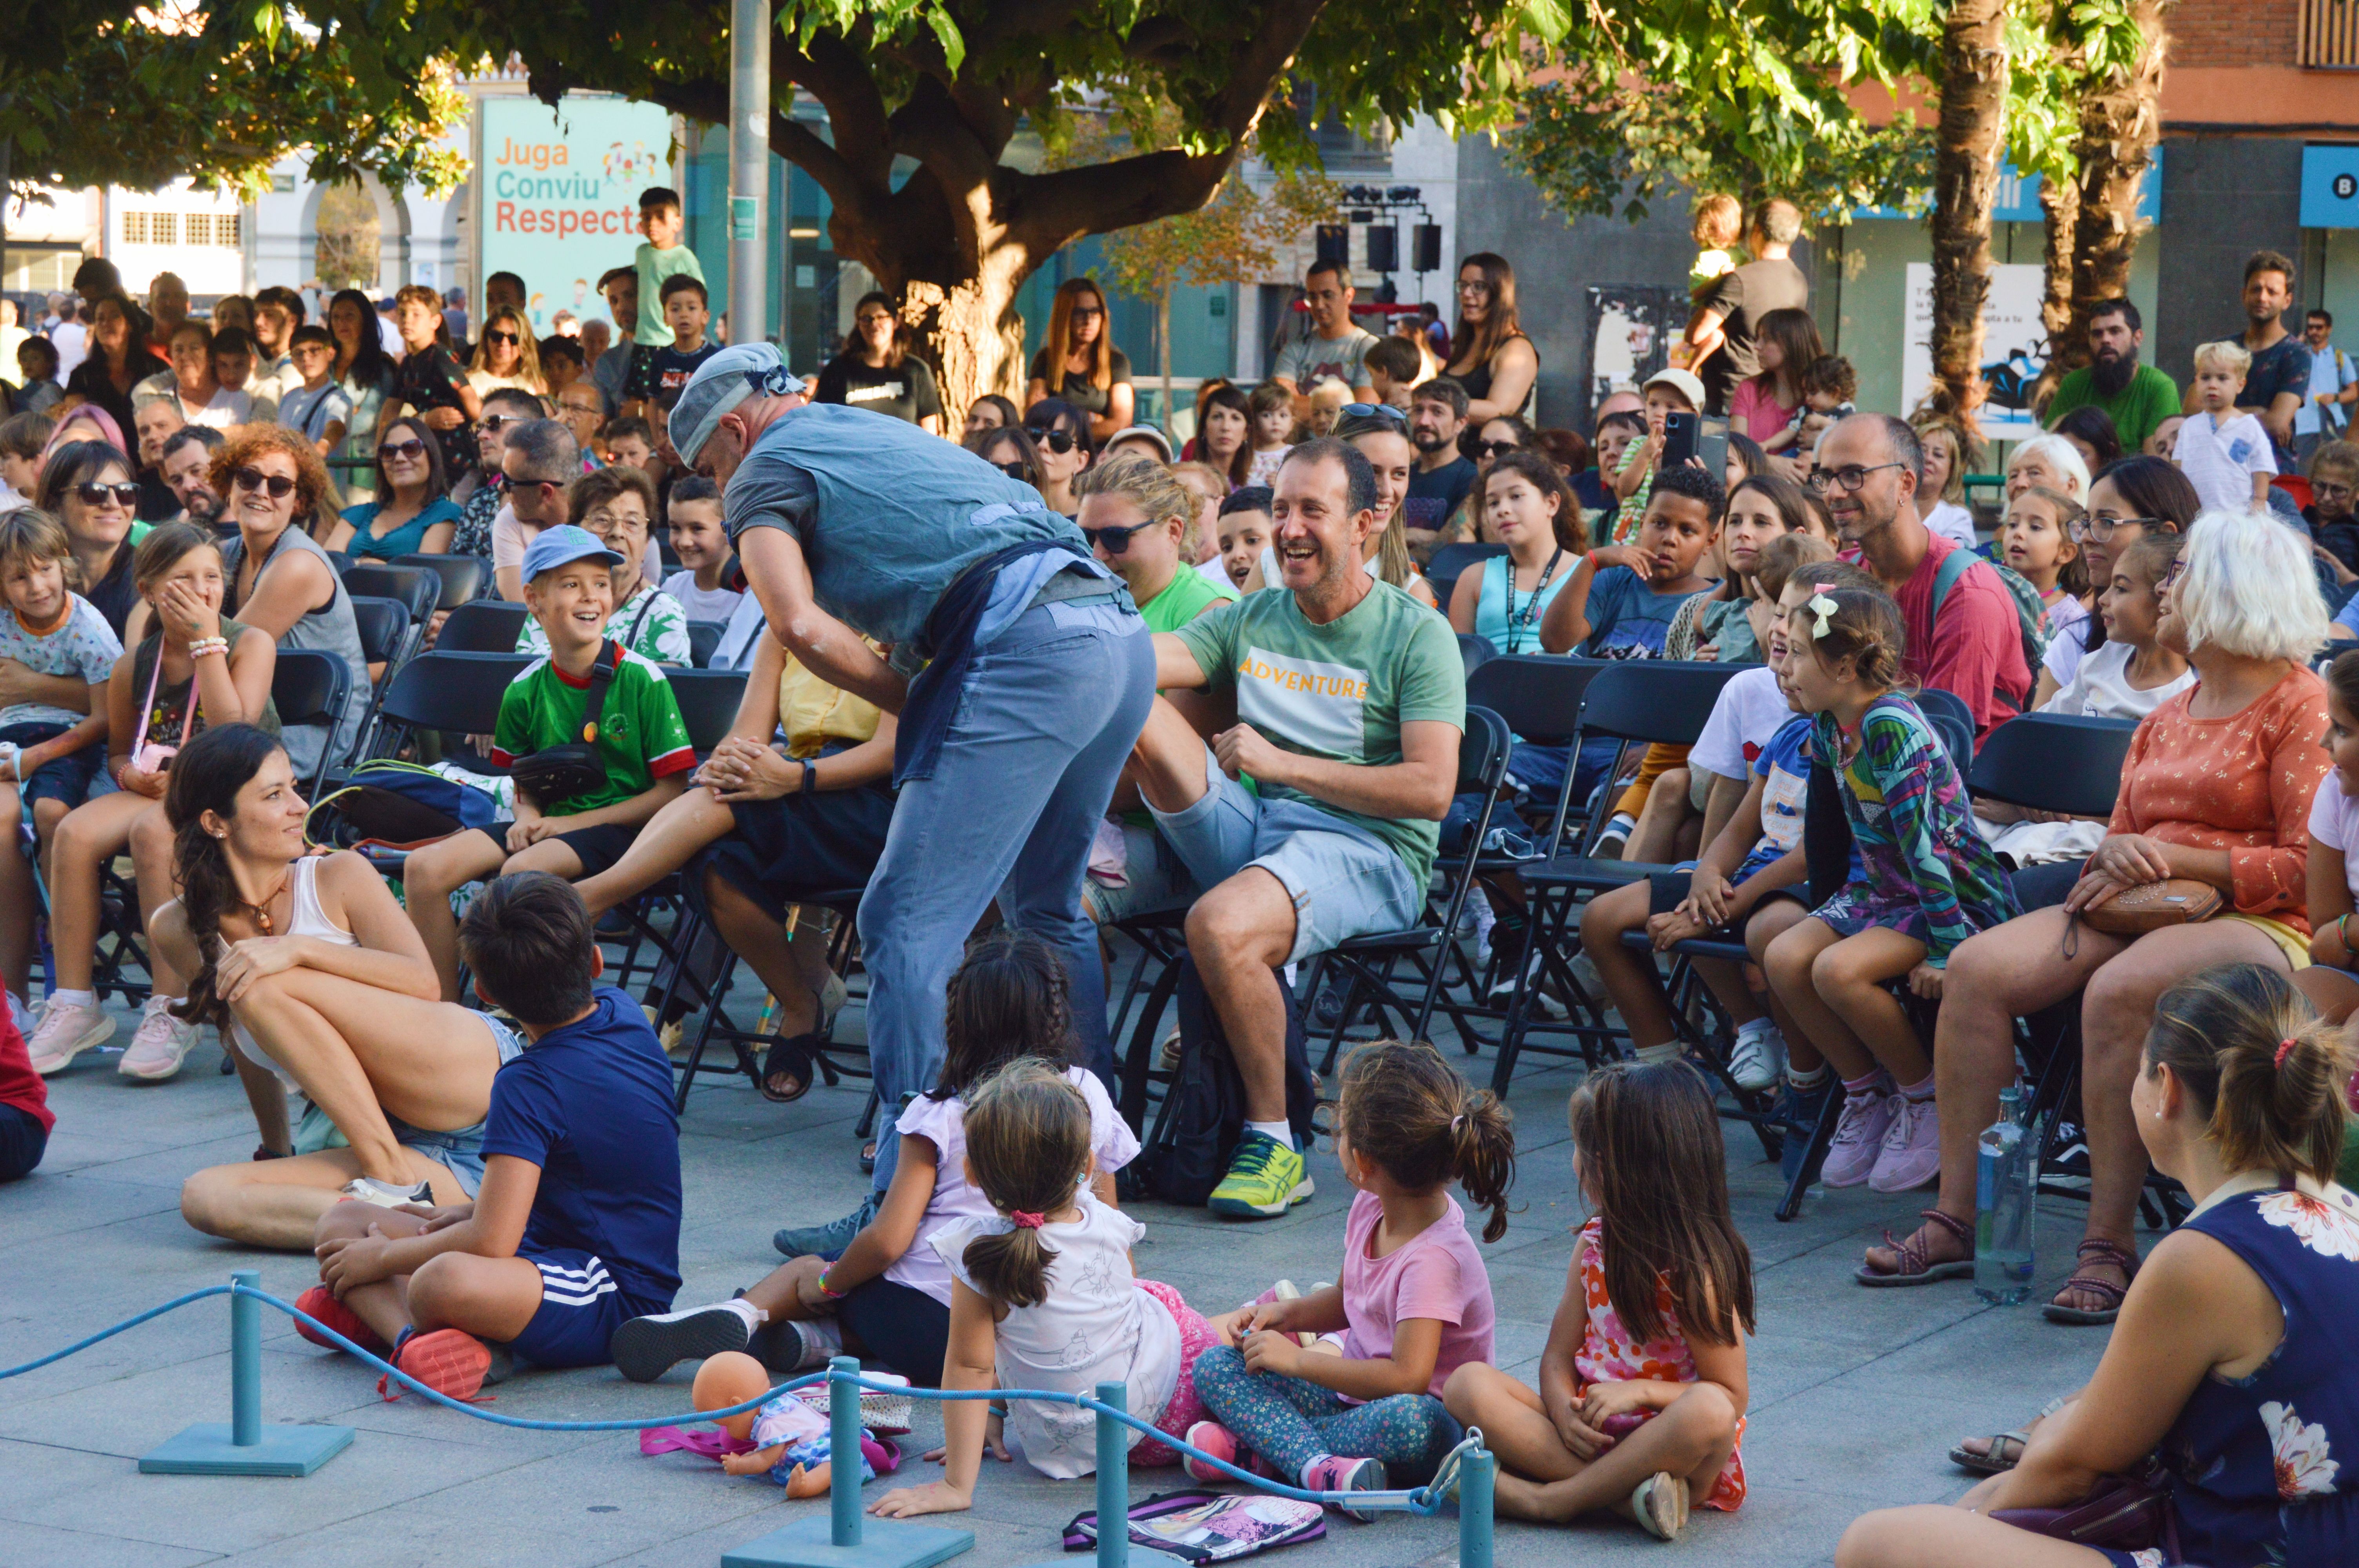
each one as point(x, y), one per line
point(2217, 787)
point(312, 968)
point(413, 512)
point(615, 506)
point(2135, 499)
point(197, 668)
point(775, 824)
point(2229, 1361)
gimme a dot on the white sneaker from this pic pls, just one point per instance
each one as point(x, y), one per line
point(385, 1195)
point(1757, 1060)
point(65, 1032)
point(160, 1047)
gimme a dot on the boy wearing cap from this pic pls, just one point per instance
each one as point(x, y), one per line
point(1667, 391)
point(639, 740)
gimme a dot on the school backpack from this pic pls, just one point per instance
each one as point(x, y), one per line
point(2030, 615)
point(399, 804)
point(1204, 1114)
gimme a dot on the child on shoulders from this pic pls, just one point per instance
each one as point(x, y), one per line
point(1640, 1407)
point(576, 1226)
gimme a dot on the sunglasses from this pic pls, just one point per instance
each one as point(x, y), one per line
point(1374, 411)
point(1114, 541)
point(1015, 471)
point(1058, 441)
point(410, 448)
point(502, 337)
point(94, 495)
point(1493, 448)
point(251, 478)
point(492, 424)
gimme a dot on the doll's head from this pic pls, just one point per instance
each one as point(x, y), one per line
point(730, 1378)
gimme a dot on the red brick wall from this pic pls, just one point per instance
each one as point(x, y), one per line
point(2234, 32)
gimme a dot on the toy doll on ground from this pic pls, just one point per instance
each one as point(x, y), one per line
point(787, 1440)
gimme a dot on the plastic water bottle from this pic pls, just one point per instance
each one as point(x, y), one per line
point(2004, 1186)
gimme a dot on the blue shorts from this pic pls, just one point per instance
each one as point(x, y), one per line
point(580, 1307)
point(69, 778)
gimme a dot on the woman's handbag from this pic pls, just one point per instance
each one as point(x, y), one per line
point(556, 774)
point(2126, 1513)
point(2150, 906)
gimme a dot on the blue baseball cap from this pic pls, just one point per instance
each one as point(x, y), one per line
point(721, 383)
point(562, 546)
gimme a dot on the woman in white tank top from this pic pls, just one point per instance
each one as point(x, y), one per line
point(323, 985)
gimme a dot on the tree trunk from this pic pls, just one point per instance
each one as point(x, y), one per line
point(2060, 205)
point(1163, 355)
point(1965, 183)
point(2120, 119)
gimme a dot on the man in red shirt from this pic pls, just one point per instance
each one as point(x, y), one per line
point(1869, 467)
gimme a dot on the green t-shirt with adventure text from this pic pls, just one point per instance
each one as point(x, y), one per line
point(641, 737)
point(1340, 691)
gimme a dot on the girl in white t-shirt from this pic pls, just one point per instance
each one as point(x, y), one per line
point(2332, 981)
point(887, 1294)
point(1044, 1298)
point(2037, 542)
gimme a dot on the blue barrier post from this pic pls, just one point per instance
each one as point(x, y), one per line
point(846, 1538)
point(1475, 1475)
point(244, 1447)
point(1114, 1480)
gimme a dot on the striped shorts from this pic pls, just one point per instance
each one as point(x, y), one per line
point(580, 1307)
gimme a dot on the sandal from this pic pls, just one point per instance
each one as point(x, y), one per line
point(1997, 1459)
point(1915, 1267)
point(2123, 1258)
point(1660, 1504)
point(791, 1059)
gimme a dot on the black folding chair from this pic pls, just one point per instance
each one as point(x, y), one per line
point(1442, 569)
point(383, 625)
point(1475, 650)
point(482, 626)
point(418, 591)
point(465, 578)
point(307, 686)
point(708, 706)
point(703, 636)
point(444, 690)
point(1953, 721)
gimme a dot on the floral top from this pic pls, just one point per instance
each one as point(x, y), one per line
point(2243, 783)
point(649, 623)
point(2255, 1475)
point(1608, 1354)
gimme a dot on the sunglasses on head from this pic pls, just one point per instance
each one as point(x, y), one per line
point(95, 494)
point(1374, 411)
point(411, 447)
point(277, 485)
point(1058, 441)
point(1114, 541)
point(499, 337)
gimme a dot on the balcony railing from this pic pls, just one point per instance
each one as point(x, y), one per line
point(2330, 34)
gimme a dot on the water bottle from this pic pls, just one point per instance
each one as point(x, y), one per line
point(2005, 1180)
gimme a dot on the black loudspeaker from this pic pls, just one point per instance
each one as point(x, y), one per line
point(1383, 247)
point(1425, 243)
point(1336, 243)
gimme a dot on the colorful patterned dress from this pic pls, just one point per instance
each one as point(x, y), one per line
point(1929, 875)
point(1608, 1355)
point(2255, 1474)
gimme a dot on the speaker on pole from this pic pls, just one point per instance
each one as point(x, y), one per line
point(1335, 244)
point(1383, 247)
point(1425, 242)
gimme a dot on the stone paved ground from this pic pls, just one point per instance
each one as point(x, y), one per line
point(1856, 1394)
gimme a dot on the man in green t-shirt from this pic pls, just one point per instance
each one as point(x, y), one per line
point(640, 740)
point(1351, 702)
point(2137, 397)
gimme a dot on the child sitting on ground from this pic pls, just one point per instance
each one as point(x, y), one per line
point(1043, 1297)
point(1642, 1389)
point(640, 743)
point(1927, 882)
point(889, 1294)
point(1414, 1304)
point(576, 1226)
point(693, 514)
point(2224, 452)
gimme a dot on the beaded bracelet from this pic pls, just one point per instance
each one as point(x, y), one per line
point(204, 646)
point(832, 1295)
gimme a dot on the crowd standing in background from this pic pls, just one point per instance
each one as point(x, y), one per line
point(1254, 629)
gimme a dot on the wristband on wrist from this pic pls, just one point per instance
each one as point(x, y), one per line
point(204, 646)
point(2343, 934)
point(832, 1295)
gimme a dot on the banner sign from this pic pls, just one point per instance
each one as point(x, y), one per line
point(559, 195)
point(2014, 347)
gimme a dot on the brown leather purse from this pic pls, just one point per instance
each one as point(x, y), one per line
point(2150, 906)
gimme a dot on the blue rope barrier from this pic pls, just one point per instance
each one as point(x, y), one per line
point(79, 1344)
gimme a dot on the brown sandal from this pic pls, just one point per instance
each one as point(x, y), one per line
point(2125, 1259)
point(1915, 1267)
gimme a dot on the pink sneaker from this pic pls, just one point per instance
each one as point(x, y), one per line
point(162, 1044)
point(1859, 1135)
point(1911, 1155)
point(1215, 1440)
point(64, 1034)
point(1336, 1473)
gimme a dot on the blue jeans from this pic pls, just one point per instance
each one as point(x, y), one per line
point(1051, 711)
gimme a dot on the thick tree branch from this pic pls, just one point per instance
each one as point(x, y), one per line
point(835, 73)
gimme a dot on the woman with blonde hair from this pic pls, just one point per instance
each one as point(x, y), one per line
point(1080, 364)
point(1494, 360)
point(1951, 450)
point(506, 355)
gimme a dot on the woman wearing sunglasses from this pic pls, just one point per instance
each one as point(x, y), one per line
point(88, 486)
point(1080, 365)
point(281, 580)
point(413, 513)
point(1009, 449)
point(506, 355)
point(1061, 435)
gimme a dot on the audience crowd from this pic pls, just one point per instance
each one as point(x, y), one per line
point(1227, 690)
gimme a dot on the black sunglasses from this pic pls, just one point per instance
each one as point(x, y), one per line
point(277, 485)
point(1058, 441)
point(1013, 471)
point(409, 448)
point(1493, 448)
point(1114, 541)
point(95, 494)
point(502, 337)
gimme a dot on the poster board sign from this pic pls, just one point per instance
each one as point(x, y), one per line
point(2014, 347)
point(1631, 330)
point(557, 194)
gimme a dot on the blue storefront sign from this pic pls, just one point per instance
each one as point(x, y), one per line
point(2330, 187)
point(2016, 200)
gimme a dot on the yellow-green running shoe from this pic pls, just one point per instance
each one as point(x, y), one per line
point(1266, 1178)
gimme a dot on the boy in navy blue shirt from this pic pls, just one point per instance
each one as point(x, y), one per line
point(577, 1225)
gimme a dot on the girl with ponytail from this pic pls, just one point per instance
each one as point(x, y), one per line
point(1414, 1305)
point(2230, 1359)
point(1043, 1297)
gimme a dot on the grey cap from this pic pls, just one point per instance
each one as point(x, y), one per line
point(721, 383)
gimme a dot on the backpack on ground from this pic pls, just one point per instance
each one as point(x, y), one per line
point(1204, 1114)
point(1208, 1527)
point(2030, 615)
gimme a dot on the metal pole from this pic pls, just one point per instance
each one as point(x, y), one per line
point(1114, 1480)
point(1475, 1473)
point(749, 168)
point(245, 1362)
point(843, 1451)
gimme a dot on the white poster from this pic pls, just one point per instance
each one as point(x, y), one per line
point(2014, 347)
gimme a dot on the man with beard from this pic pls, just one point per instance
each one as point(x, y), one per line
point(2138, 397)
point(1437, 485)
point(187, 458)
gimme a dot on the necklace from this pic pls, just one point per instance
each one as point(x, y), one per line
point(1518, 626)
point(261, 912)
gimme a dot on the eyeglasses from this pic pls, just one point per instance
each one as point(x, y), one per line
point(1374, 411)
point(2177, 569)
point(1058, 441)
point(2322, 489)
point(251, 478)
point(1015, 470)
point(497, 337)
point(1493, 448)
point(410, 448)
point(94, 495)
point(1851, 476)
point(2100, 529)
point(1114, 541)
point(492, 424)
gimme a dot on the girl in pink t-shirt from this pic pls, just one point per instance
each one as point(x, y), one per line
point(1641, 1402)
point(1414, 1305)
